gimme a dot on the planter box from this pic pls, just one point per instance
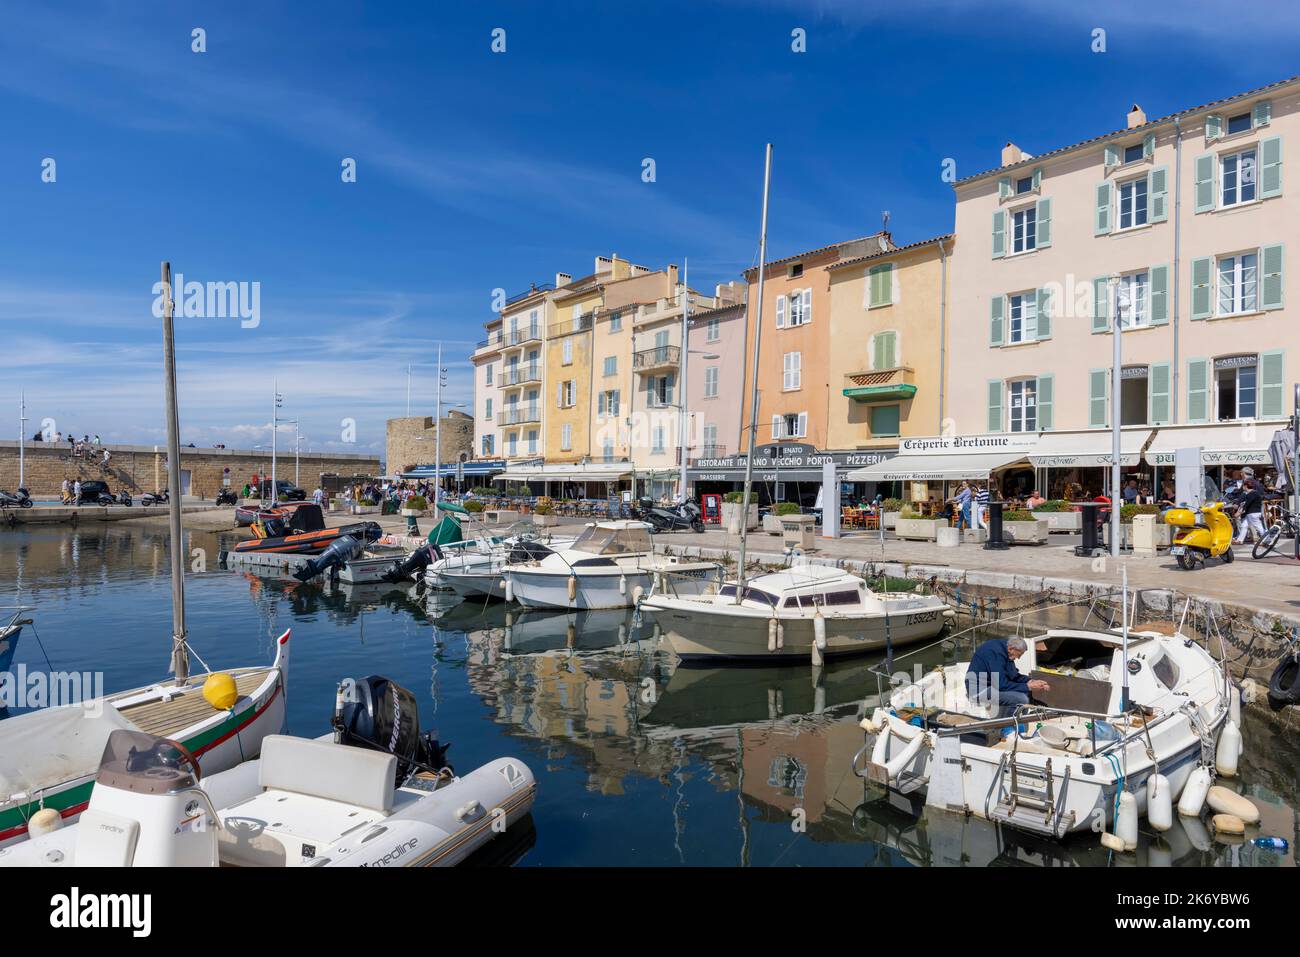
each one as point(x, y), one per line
point(414, 512)
point(917, 529)
point(1062, 521)
point(947, 537)
point(1163, 535)
point(365, 509)
point(1025, 533)
point(731, 517)
point(500, 516)
point(546, 521)
point(891, 519)
point(772, 524)
point(975, 536)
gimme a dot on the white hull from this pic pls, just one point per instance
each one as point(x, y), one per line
point(603, 588)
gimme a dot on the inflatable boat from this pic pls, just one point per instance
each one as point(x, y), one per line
point(302, 531)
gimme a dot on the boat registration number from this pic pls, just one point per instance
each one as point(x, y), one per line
point(1178, 550)
point(924, 616)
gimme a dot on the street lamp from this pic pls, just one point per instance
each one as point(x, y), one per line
point(1121, 300)
point(22, 436)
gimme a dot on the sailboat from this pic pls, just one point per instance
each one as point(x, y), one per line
point(49, 758)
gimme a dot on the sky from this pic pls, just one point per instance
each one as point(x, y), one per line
point(479, 170)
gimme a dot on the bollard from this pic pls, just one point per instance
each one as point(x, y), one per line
point(995, 527)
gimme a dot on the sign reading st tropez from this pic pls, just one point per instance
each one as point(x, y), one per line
point(213, 300)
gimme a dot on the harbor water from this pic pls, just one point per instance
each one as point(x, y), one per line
point(638, 761)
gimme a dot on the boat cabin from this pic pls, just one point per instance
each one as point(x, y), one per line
point(615, 538)
point(803, 588)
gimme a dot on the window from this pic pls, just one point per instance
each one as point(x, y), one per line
point(532, 441)
point(1235, 385)
point(1024, 226)
point(796, 270)
point(710, 439)
point(607, 450)
point(568, 352)
point(1132, 300)
point(884, 420)
point(607, 404)
point(792, 368)
point(611, 365)
point(489, 373)
point(711, 382)
point(1133, 203)
point(1239, 123)
point(1024, 317)
point(512, 444)
point(566, 437)
point(884, 350)
point(1133, 153)
point(1021, 410)
point(1237, 178)
point(1237, 284)
point(712, 330)
point(795, 309)
point(1025, 185)
point(794, 425)
point(1133, 395)
point(487, 444)
point(487, 414)
point(657, 439)
point(567, 394)
point(659, 391)
point(880, 285)
point(616, 322)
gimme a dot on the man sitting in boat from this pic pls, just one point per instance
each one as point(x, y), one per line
point(993, 678)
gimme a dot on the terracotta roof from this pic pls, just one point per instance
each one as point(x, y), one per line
point(753, 270)
point(1129, 132)
point(893, 252)
point(716, 311)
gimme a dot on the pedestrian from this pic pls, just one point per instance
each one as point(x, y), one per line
point(1249, 509)
point(982, 507)
point(65, 492)
point(318, 496)
point(962, 501)
point(76, 492)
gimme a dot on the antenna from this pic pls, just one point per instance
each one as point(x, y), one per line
point(884, 220)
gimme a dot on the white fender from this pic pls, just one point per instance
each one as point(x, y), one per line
point(1194, 792)
point(819, 639)
point(45, 821)
point(1228, 751)
point(510, 589)
point(1225, 801)
point(1234, 707)
point(780, 636)
point(881, 747)
point(905, 756)
point(573, 587)
point(637, 592)
point(771, 634)
point(1126, 821)
point(622, 585)
point(1160, 802)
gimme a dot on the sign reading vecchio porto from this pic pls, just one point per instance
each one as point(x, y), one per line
point(786, 461)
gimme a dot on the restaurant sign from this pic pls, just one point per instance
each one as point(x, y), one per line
point(784, 461)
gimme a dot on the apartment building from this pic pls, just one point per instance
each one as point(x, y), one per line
point(715, 374)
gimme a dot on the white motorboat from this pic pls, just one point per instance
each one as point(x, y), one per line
point(794, 614)
point(347, 802)
point(478, 573)
point(1061, 763)
point(609, 565)
point(372, 564)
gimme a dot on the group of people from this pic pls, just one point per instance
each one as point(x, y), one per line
point(969, 506)
point(70, 492)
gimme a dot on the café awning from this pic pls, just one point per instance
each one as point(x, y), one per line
point(1087, 449)
point(564, 473)
point(1232, 443)
point(936, 467)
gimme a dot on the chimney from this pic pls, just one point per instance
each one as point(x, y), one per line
point(562, 279)
point(621, 268)
point(1136, 117)
point(1011, 154)
point(672, 278)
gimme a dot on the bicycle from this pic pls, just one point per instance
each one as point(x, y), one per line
point(1286, 522)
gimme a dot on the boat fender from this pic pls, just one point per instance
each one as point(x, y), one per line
point(1111, 841)
point(44, 821)
point(573, 587)
point(622, 585)
point(468, 809)
point(510, 589)
point(771, 634)
point(949, 613)
point(1284, 685)
point(880, 750)
point(220, 691)
point(1126, 821)
point(1225, 801)
point(819, 631)
point(1228, 752)
point(1228, 824)
point(1234, 707)
point(1160, 803)
point(1194, 792)
point(869, 726)
point(905, 757)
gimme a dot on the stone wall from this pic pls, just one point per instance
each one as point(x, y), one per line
point(139, 468)
point(413, 440)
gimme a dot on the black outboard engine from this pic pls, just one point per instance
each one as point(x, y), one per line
point(411, 566)
point(376, 713)
point(338, 552)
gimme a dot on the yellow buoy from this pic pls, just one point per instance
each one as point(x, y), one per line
point(220, 691)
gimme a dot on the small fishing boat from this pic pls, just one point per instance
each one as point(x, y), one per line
point(609, 565)
point(306, 536)
point(1129, 721)
point(802, 613)
point(373, 793)
point(246, 515)
point(9, 634)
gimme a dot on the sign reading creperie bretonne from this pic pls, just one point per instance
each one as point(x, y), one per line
point(969, 443)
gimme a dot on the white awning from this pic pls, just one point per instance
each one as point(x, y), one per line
point(1233, 443)
point(562, 473)
point(1087, 449)
point(936, 467)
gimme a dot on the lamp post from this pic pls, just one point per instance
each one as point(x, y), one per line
point(276, 399)
point(22, 436)
point(1121, 300)
point(437, 436)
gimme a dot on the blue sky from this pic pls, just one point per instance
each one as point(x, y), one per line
point(478, 170)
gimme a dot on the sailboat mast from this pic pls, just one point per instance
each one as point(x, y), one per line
point(753, 403)
point(180, 650)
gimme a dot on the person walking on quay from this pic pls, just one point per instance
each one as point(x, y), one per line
point(1249, 508)
point(65, 492)
point(318, 496)
point(962, 501)
point(76, 492)
point(982, 507)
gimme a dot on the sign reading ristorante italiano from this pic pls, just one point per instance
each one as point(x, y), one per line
point(784, 459)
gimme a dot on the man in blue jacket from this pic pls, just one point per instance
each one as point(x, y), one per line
point(993, 678)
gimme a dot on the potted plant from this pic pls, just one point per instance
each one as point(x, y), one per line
point(415, 506)
point(475, 506)
point(891, 508)
point(544, 514)
point(1061, 516)
point(731, 504)
point(914, 526)
point(772, 520)
point(1022, 527)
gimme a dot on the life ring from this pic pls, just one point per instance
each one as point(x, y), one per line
point(1284, 686)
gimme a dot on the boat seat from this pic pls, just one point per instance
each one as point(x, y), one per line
point(336, 772)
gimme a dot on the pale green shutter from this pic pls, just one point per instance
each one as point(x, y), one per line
point(1046, 388)
point(1149, 146)
point(1043, 232)
point(1097, 398)
point(994, 421)
point(1044, 314)
point(1262, 114)
point(1213, 127)
point(1101, 222)
point(1270, 167)
point(1204, 182)
point(1198, 390)
point(1272, 285)
point(1100, 304)
point(997, 309)
point(890, 348)
point(1037, 177)
point(999, 234)
point(882, 284)
point(1158, 194)
point(1270, 384)
point(1158, 289)
point(1202, 302)
point(1111, 156)
point(1004, 187)
point(1158, 394)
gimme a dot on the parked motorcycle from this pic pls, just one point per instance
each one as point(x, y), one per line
point(19, 499)
point(124, 497)
point(155, 498)
point(227, 496)
point(685, 515)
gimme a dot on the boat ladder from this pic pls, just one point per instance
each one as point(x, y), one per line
point(1027, 797)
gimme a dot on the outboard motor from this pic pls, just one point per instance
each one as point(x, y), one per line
point(411, 566)
point(338, 552)
point(374, 712)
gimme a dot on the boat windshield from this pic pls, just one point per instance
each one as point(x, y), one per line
point(751, 594)
point(613, 541)
point(143, 763)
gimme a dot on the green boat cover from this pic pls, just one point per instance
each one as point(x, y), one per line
point(446, 532)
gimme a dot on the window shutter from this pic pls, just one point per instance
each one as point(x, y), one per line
point(1270, 167)
point(1202, 273)
point(1044, 391)
point(878, 352)
point(999, 233)
point(601, 408)
point(1272, 287)
point(776, 426)
point(807, 304)
point(997, 308)
point(803, 424)
point(1037, 177)
point(994, 422)
point(559, 394)
point(1262, 114)
point(1149, 146)
point(1101, 222)
point(780, 312)
point(1111, 156)
point(1158, 194)
point(1270, 384)
point(1100, 304)
point(1158, 394)
point(1004, 187)
point(1198, 390)
point(891, 350)
point(1043, 234)
point(1097, 398)
point(1044, 314)
point(1158, 291)
point(670, 382)
point(1213, 127)
point(1204, 182)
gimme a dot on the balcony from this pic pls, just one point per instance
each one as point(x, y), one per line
point(658, 359)
point(518, 337)
point(520, 415)
point(520, 375)
point(880, 385)
point(709, 452)
point(581, 324)
point(493, 341)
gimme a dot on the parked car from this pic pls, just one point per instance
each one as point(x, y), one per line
point(286, 491)
point(96, 493)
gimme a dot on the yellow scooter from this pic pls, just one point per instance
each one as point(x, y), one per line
point(1201, 534)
